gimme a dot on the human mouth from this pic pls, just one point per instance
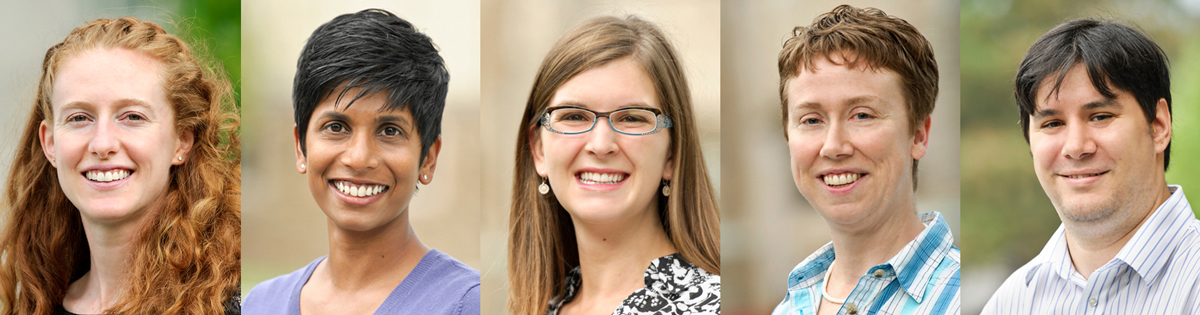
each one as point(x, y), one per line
point(1082, 176)
point(358, 190)
point(595, 178)
point(841, 180)
point(107, 176)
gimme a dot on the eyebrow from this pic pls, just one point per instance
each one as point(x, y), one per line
point(394, 119)
point(124, 102)
point(851, 101)
point(579, 104)
point(1093, 105)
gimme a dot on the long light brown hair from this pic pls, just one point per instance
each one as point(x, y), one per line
point(541, 247)
point(188, 259)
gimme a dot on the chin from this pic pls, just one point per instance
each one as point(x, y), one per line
point(106, 211)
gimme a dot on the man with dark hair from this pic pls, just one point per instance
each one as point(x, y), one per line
point(857, 89)
point(1095, 105)
point(368, 97)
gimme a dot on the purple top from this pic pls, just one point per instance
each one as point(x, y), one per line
point(438, 285)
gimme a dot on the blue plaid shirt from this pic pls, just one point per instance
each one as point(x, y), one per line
point(923, 278)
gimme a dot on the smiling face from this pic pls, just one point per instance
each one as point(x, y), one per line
point(602, 175)
point(1093, 155)
point(363, 161)
point(850, 143)
point(112, 139)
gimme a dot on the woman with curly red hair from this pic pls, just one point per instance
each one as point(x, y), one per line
point(124, 196)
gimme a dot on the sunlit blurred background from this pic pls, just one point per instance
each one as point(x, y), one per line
point(1008, 216)
point(766, 225)
point(282, 228)
point(29, 28)
point(516, 36)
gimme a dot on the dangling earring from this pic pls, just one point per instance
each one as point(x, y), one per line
point(543, 188)
point(666, 188)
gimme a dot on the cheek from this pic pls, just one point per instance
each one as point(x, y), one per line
point(804, 149)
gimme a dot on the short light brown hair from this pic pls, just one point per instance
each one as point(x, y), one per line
point(865, 35)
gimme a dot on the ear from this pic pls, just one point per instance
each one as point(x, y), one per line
point(46, 137)
point(300, 159)
point(186, 139)
point(539, 155)
point(669, 167)
point(425, 174)
point(921, 139)
point(1160, 127)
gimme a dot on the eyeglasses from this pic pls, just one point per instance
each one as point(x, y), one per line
point(634, 121)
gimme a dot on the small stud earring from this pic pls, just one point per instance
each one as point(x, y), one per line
point(301, 165)
point(543, 188)
point(426, 177)
point(666, 191)
point(180, 158)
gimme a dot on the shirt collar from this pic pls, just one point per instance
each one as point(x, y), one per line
point(1158, 237)
point(913, 264)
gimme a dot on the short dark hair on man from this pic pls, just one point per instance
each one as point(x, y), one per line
point(375, 51)
point(1113, 54)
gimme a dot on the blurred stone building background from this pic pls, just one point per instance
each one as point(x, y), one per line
point(1008, 218)
point(516, 36)
point(766, 225)
point(282, 227)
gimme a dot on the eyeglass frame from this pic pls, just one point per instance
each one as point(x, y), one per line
point(661, 120)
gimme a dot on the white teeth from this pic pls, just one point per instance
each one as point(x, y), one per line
point(108, 176)
point(358, 190)
point(841, 179)
point(598, 178)
point(1082, 176)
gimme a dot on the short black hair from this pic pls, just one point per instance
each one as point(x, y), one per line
point(1112, 53)
point(375, 51)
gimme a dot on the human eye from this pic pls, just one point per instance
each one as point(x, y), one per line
point(334, 127)
point(1050, 124)
point(862, 116)
point(810, 120)
point(1102, 117)
point(391, 131)
point(77, 118)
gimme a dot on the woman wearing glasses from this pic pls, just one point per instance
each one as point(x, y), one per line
point(612, 211)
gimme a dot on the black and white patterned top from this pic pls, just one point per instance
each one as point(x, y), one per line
point(673, 286)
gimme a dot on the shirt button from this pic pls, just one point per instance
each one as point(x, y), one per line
point(1092, 302)
point(851, 308)
point(879, 273)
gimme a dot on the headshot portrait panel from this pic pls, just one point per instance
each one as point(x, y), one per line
point(119, 152)
point(1013, 201)
point(675, 44)
point(337, 192)
point(768, 224)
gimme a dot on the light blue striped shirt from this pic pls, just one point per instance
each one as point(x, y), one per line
point(921, 279)
point(1157, 272)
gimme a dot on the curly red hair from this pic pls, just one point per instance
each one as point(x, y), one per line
point(188, 259)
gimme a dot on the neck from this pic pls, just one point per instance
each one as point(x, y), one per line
point(1093, 244)
point(613, 257)
point(111, 245)
point(859, 250)
point(382, 257)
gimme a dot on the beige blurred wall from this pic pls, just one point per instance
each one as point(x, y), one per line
point(766, 225)
point(282, 228)
point(516, 36)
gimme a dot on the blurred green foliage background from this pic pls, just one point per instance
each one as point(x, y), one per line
point(1007, 218)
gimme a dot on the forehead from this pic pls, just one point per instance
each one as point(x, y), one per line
point(1076, 91)
point(370, 105)
point(105, 75)
point(617, 84)
point(832, 85)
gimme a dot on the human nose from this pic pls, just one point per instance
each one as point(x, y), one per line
point(360, 155)
point(837, 144)
point(104, 141)
point(1079, 144)
point(601, 140)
